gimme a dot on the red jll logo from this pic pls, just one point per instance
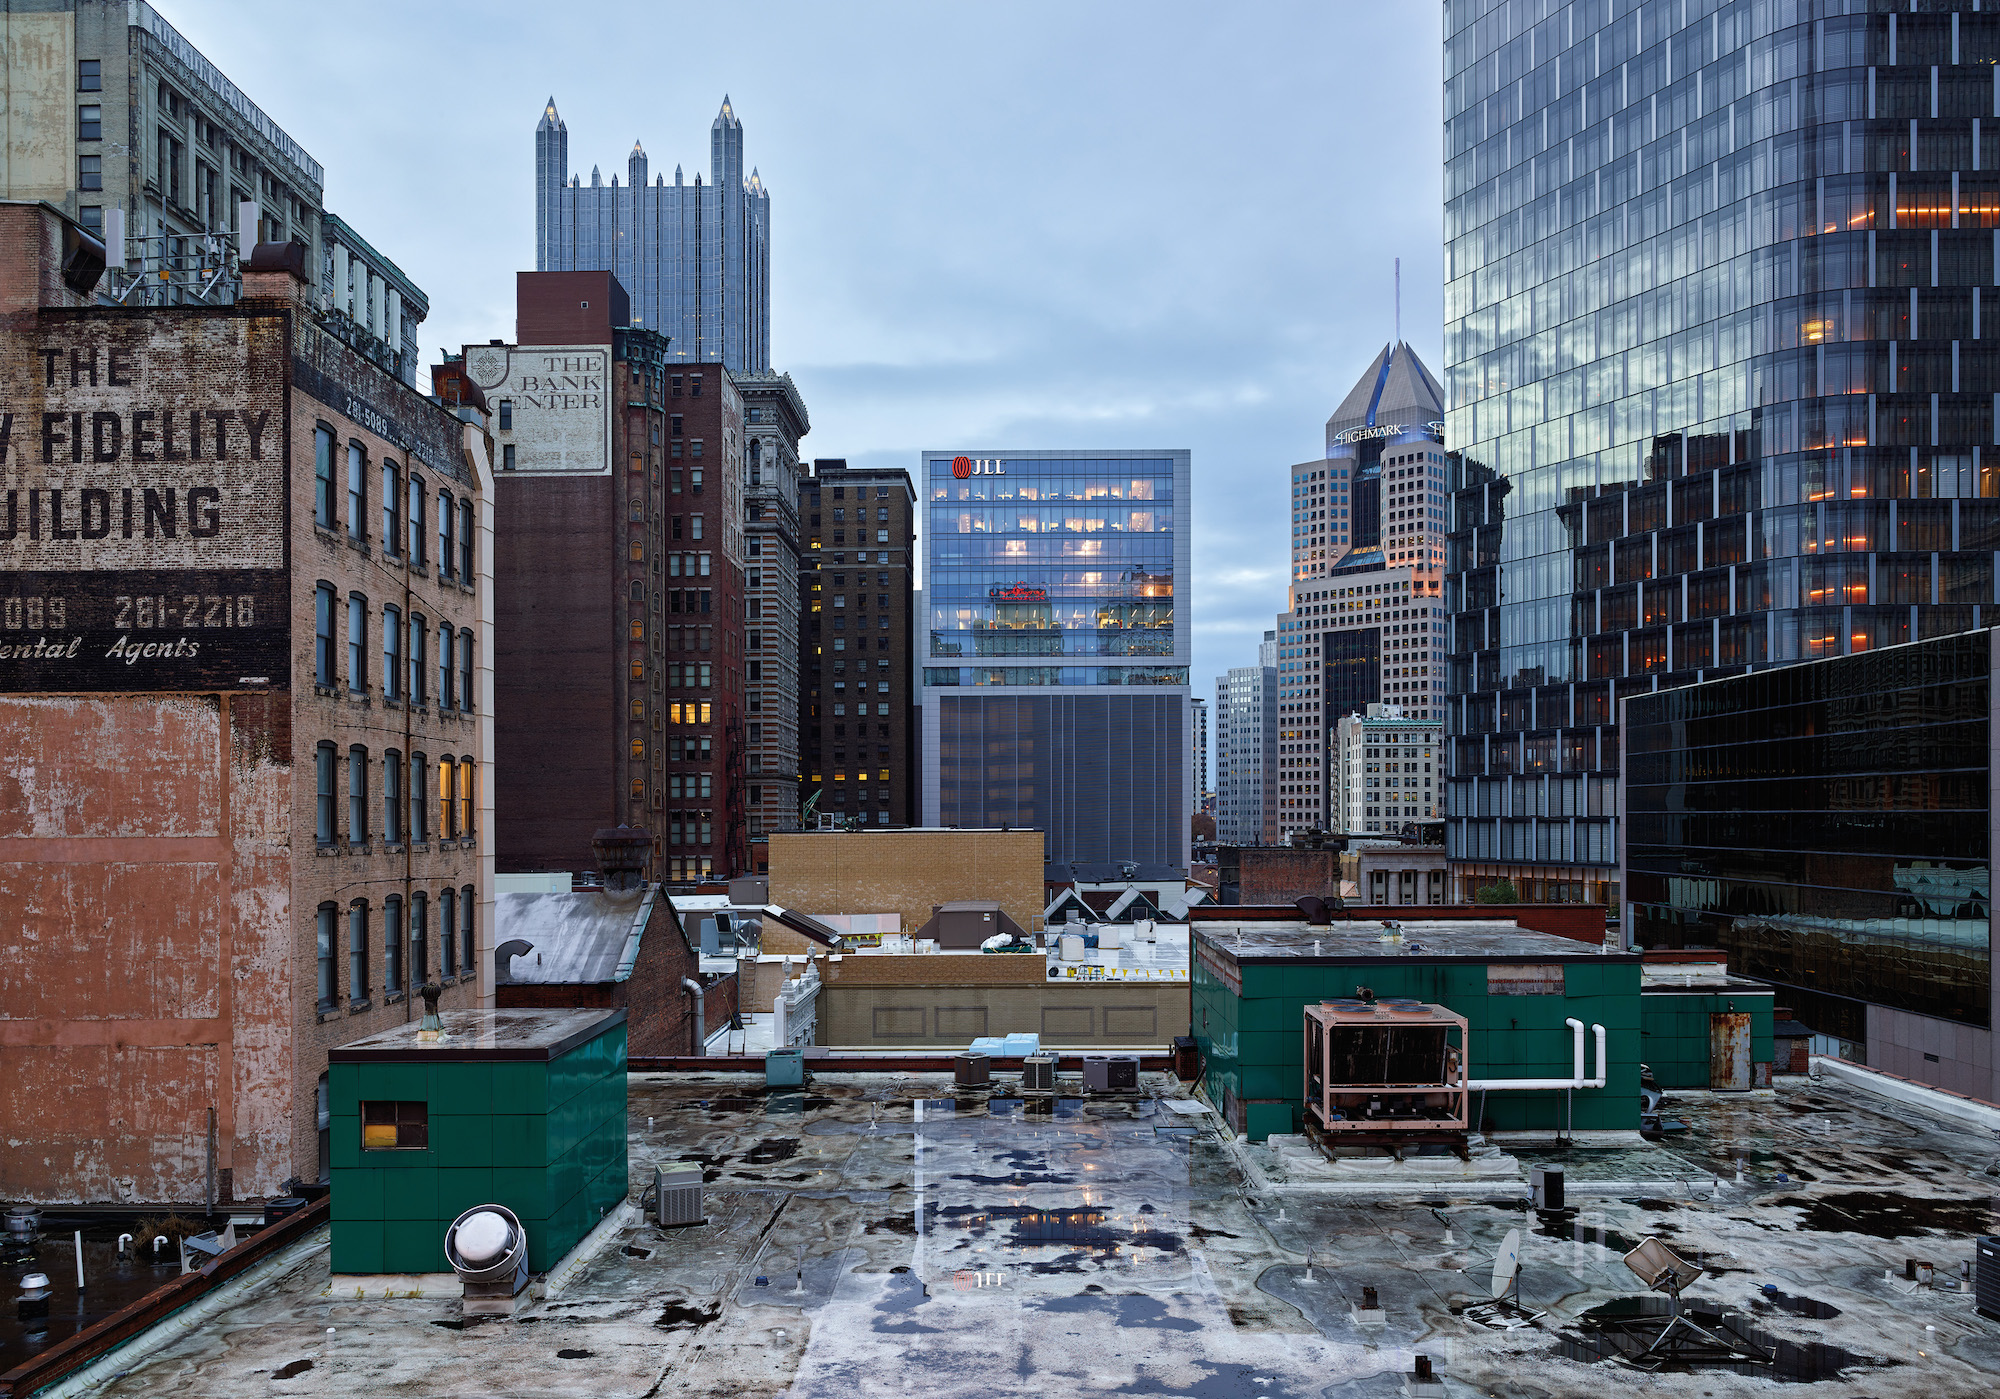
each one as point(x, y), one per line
point(961, 467)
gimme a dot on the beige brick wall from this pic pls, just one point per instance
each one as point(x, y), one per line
point(1086, 1015)
point(906, 872)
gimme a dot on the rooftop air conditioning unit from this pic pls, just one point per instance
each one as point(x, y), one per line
point(1986, 1277)
point(1038, 1073)
point(1110, 1073)
point(488, 1249)
point(677, 1193)
point(971, 1070)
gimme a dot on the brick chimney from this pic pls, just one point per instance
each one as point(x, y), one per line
point(622, 855)
point(277, 272)
point(46, 259)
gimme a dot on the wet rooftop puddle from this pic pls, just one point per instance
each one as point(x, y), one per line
point(1623, 1329)
point(1883, 1216)
point(1091, 1234)
point(1775, 1300)
point(110, 1281)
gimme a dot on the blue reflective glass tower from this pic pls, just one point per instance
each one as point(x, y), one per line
point(1055, 649)
point(1720, 397)
point(695, 257)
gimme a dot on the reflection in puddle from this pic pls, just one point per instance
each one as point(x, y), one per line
point(1626, 1328)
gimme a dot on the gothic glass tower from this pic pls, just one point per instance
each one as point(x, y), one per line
point(695, 257)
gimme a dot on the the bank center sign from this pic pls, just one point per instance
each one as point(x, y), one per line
point(557, 405)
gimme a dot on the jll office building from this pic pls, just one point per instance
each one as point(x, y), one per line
point(1055, 680)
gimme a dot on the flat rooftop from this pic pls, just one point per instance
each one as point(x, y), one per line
point(884, 1234)
point(1437, 939)
point(482, 1034)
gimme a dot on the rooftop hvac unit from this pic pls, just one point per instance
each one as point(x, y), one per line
point(1038, 1073)
point(1110, 1073)
point(971, 1070)
point(1986, 1277)
point(488, 1249)
point(677, 1193)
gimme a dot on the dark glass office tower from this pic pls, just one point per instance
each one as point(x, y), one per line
point(1719, 387)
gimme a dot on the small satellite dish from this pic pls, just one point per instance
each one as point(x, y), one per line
point(1507, 1264)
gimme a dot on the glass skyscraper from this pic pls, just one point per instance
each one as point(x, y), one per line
point(1055, 683)
point(1719, 397)
point(696, 258)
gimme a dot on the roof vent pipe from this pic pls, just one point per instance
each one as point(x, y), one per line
point(699, 1025)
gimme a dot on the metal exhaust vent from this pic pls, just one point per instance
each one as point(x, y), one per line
point(488, 1249)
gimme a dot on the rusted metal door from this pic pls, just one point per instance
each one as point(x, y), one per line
point(1729, 1050)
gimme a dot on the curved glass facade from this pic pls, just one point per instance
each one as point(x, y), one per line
point(1720, 392)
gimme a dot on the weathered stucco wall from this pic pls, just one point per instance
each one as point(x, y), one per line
point(37, 106)
point(147, 981)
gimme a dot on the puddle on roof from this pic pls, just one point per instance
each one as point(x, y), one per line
point(1089, 1235)
point(1622, 1329)
point(772, 1149)
point(1884, 1216)
point(678, 1313)
point(1131, 1309)
point(1775, 1300)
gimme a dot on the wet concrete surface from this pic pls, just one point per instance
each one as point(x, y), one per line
point(885, 1234)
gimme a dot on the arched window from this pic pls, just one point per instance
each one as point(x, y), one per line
point(327, 933)
point(392, 945)
point(323, 477)
point(446, 808)
point(467, 574)
point(419, 670)
point(418, 530)
point(323, 780)
point(392, 505)
point(465, 669)
point(392, 652)
point(465, 826)
point(468, 953)
point(420, 801)
point(444, 523)
point(447, 674)
point(447, 926)
point(357, 491)
point(357, 795)
point(392, 797)
point(357, 950)
point(420, 969)
point(323, 642)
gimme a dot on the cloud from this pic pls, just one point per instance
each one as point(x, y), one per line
point(1029, 225)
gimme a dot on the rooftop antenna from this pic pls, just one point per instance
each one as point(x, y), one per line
point(1399, 301)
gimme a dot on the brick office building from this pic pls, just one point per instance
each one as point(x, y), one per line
point(619, 584)
point(774, 421)
point(854, 644)
point(245, 623)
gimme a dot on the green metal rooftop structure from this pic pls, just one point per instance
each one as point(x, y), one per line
point(522, 1108)
point(1533, 1003)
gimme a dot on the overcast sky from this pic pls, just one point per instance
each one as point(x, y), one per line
point(1017, 225)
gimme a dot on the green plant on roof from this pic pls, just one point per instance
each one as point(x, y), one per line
point(1502, 892)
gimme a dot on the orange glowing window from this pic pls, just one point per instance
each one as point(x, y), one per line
point(395, 1126)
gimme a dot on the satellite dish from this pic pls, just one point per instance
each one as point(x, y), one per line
point(1507, 1264)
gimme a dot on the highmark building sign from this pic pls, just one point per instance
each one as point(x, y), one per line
point(552, 404)
point(143, 509)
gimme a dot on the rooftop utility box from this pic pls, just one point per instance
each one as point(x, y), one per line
point(677, 1193)
point(1385, 1069)
point(521, 1108)
point(1110, 1073)
point(1255, 970)
point(785, 1068)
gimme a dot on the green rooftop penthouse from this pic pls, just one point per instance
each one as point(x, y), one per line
point(1254, 971)
point(522, 1108)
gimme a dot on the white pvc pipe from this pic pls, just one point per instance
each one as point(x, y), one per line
point(1576, 1079)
